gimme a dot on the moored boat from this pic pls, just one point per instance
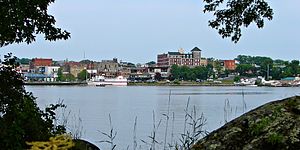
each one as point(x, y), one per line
point(102, 81)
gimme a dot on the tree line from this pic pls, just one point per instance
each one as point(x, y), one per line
point(251, 66)
point(186, 73)
point(248, 66)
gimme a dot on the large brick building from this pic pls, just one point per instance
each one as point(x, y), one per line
point(180, 58)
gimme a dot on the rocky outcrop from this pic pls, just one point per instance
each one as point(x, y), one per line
point(84, 145)
point(275, 125)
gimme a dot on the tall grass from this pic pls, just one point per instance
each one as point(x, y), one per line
point(193, 129)
point(109, 136)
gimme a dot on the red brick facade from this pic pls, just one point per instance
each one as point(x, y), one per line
point(40, 62)
point(229, 64)
point(180, 58)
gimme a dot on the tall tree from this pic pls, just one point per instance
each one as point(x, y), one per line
point(82, 75)
point(20, 118)
point(231, 15)
point(22, 20)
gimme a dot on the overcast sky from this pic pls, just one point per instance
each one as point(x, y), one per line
point(138, 30)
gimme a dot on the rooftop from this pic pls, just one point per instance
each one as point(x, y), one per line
point(196, 49)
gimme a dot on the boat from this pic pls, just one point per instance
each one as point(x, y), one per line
point(103, 81)
point(273, 83)
point(246, 82)
point(100, 85)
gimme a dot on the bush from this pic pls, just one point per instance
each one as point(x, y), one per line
point(237, 79)
point(260, 126)
point(176, 81)
point(275, 138)
point(20, 118)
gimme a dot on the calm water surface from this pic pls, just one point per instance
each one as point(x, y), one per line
point(94, 104)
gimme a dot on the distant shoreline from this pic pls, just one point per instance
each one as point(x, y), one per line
point(55, 83)
point(140, 84)
point(129, 84)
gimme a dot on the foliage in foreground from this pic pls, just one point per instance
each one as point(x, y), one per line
point(21, 119)
point(59, 142)
point(232, 15)
point(21, 21)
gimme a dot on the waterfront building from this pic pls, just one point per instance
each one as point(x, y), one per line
point(203, 62)
point(23, 68)
point(43, 73)
point(41, 69)
point(36, 62)
point(125, 69)
point(73, 68)
point(180, 58)
point(228, 64)
point(109, 68)
point(163, 71)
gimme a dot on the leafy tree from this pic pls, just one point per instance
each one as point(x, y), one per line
point(218, 67)
point(86, 61)
point(22, 20)
point(231, 15)
point(68, 77)
point(277, 73)
point(294, 65)
point(237, 79)
point(175, 72)
point(263, 64)
point(151, 63)
point(23, 61)
point(59, 75)
point(186, 73)
point(20, 118)
point(210, 71)
point(245, 69)
point(279, 62)
point(82, 75)
point(64, 77)
point(243, 59)
point(200, 73)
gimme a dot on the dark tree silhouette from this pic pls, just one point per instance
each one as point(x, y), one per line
point(20, 118)
point(231, 15)
point(22, 20)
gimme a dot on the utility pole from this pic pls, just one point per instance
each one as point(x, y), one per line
point(85, 67)
point(268, 71)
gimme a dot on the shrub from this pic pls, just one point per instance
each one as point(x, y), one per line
point(275, 138)
point(20, 118)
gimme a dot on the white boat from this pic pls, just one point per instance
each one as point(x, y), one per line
point(102, 81)
point(246, 82)
point(274, 83)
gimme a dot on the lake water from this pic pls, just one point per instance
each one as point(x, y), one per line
point(94, 104)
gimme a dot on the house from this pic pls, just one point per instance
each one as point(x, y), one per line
point(41, 69)
point(35, 62)
point(228, 64)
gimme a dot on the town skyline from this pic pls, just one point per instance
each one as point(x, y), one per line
point(150, 60)
point(137, 31)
